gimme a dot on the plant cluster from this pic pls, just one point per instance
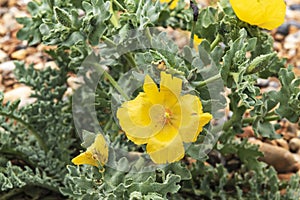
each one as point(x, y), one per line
point(115, 44)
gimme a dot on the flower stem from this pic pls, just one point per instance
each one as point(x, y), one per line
point(268, 118)
point(30, 128)
point(192, 34)
point(112, 81)
point(116, 85)
point(29, 187)
point(128, 56)
point(17, 154)
point(148, 34)
point(215, 42)
point(209, 80)
point(109, 41)
point(119, 5)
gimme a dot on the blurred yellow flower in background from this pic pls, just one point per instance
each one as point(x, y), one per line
point(163, 119)
point(96, 154)
point(197, 41)
point(172, 5)
point(268, 14)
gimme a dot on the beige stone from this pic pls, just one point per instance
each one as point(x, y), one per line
point(3, 56)
point(281, 159)
point(19, 55)
point(23, 93)
point(294, 144)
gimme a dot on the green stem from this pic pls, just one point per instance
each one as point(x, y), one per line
point(192, 34)
point(119, 5)
point(11, 193)
point(252, 119)
point(14, 192)
point(19, 155)
point(128, 56)
point(109, 41)
point(203, 83)
point(115, 85)
point(108, 125)
point(112, 81)
point(30, 128)
point(215, 42)
point(148, 35)
point(227, 125)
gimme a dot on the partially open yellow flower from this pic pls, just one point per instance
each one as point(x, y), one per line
point(268, 14)
point(163, 119)
point(172, 5)
point(96, 154)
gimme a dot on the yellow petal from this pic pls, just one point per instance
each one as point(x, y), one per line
point(204, 119)
point(138, 110)
point(85, 158)
point(189, 117)
point(151, 90)
point(166, 146)
point(197, 41)
point(99, 149)
point(96, 154)
point(172, 5)
point(170, 88)
point(263, 13)
point(132, 116)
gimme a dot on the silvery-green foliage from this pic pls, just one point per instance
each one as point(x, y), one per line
point(38, 140)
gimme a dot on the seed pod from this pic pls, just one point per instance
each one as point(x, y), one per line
point(63, 17)
point(260, 63)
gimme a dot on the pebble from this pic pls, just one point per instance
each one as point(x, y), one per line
point(3, 2)
point(282, 143)
point(248, 132)
point(296, 157)
point(3, 30)
point(1, 86)
point(274, 84)
point(281, 159)
point(12, 3)
point(7, 66)
point(52, 65)
point(292, 41)
point(23, 93)
point(19, 55)
point(283, 29)
point(39, 66)
point(75, 82)
point(291, 53)
point(285, 177)
point(262, 82)
point(294, 144)
point(34, 58)
point(3, 56)
point(295, 7)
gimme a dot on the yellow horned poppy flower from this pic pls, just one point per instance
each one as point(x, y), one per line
point(172, 5)
point(96, 154)
point(268, 14)
point(163, 119)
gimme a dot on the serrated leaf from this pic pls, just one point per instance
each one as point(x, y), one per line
point(180, 170)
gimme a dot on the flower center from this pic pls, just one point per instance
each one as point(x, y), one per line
point(168, 116)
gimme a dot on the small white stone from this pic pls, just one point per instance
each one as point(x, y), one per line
point(7, 66)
